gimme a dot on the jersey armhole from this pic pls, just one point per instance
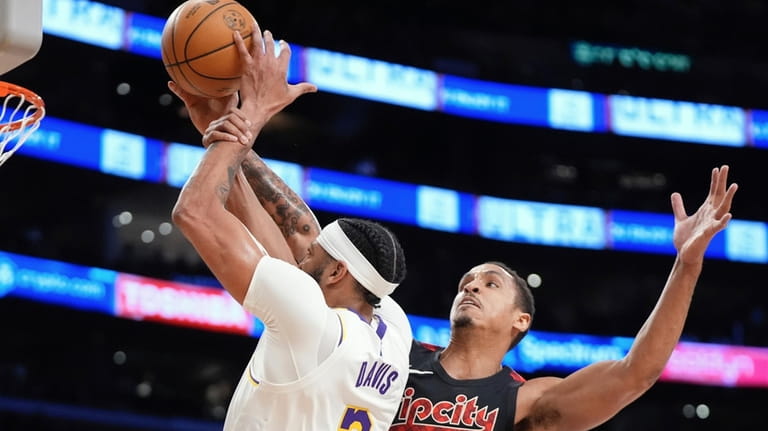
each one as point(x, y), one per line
point(516, 377)
point(430, 347)
point(514, 387)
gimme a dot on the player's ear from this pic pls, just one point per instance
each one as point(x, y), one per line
point(522, 321)
point(336, 271)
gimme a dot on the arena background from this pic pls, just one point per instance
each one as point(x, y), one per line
point(65, 368)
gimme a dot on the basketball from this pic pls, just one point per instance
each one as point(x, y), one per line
point(198, 50)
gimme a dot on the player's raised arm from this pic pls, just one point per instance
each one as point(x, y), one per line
point(242, 202)
point(295, 220)
point(594, 394)
point(288, 210)
point(220, 238)
point(290, 213)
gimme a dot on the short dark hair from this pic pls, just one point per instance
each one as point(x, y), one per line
point(380, 246)
point(524, 297)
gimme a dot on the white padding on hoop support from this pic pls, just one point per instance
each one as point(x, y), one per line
point(21, 32)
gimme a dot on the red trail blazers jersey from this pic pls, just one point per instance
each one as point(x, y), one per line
point(434, 401)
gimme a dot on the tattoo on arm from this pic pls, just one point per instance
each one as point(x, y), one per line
point(223, 189)
point(285, 207)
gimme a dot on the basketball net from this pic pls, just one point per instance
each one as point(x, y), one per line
point(20, 115)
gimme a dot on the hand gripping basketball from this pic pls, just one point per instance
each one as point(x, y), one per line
point(197, 48)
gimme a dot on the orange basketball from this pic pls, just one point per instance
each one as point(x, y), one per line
point(198, 51)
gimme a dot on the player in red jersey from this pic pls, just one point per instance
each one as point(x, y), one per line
point(464, 386)
point(480, 394)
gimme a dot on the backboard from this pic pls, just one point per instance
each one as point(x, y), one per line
point(21, 32)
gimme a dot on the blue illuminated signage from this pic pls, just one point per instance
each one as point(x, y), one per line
point(371, 79)
point(132, 156)
point(430, 330)
point(746, 241)
point(360, 195)
point(105, 150)
point(144, 35)
point(759, 128)
point(540, 223)
point(130, 296)
point(137, 157)
point(57, 282)
point(680, 121)
point(564, 352)
point(297, 65)
point(110, 27)
point(85, 21)
point(578, 111)
point(652, 233)
point(181, 161)
point(492, 101)
point(65, 142)
point(640, 231)
point(438, 209)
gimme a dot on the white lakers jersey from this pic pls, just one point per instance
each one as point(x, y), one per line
point(317, 368)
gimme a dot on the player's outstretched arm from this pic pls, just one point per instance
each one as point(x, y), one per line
point(594, 394)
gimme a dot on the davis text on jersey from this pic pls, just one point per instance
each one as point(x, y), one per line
point(377, 375)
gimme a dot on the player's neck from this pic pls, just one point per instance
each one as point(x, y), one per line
point(346, 295)
point(466, 358)
point(359, 307)
point(365, 312)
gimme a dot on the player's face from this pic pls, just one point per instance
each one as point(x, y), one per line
point(486, 298)
point(315, 261)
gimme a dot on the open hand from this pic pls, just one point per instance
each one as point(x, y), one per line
point(264, 88)
point(693, 233)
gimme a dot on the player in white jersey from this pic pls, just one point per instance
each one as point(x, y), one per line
point(327, 359)
point(318, 368)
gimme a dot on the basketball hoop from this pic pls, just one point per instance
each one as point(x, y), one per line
point(20, 116)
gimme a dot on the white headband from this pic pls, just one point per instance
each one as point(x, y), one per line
point(338, 245)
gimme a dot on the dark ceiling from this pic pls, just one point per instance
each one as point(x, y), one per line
point(53, 211)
